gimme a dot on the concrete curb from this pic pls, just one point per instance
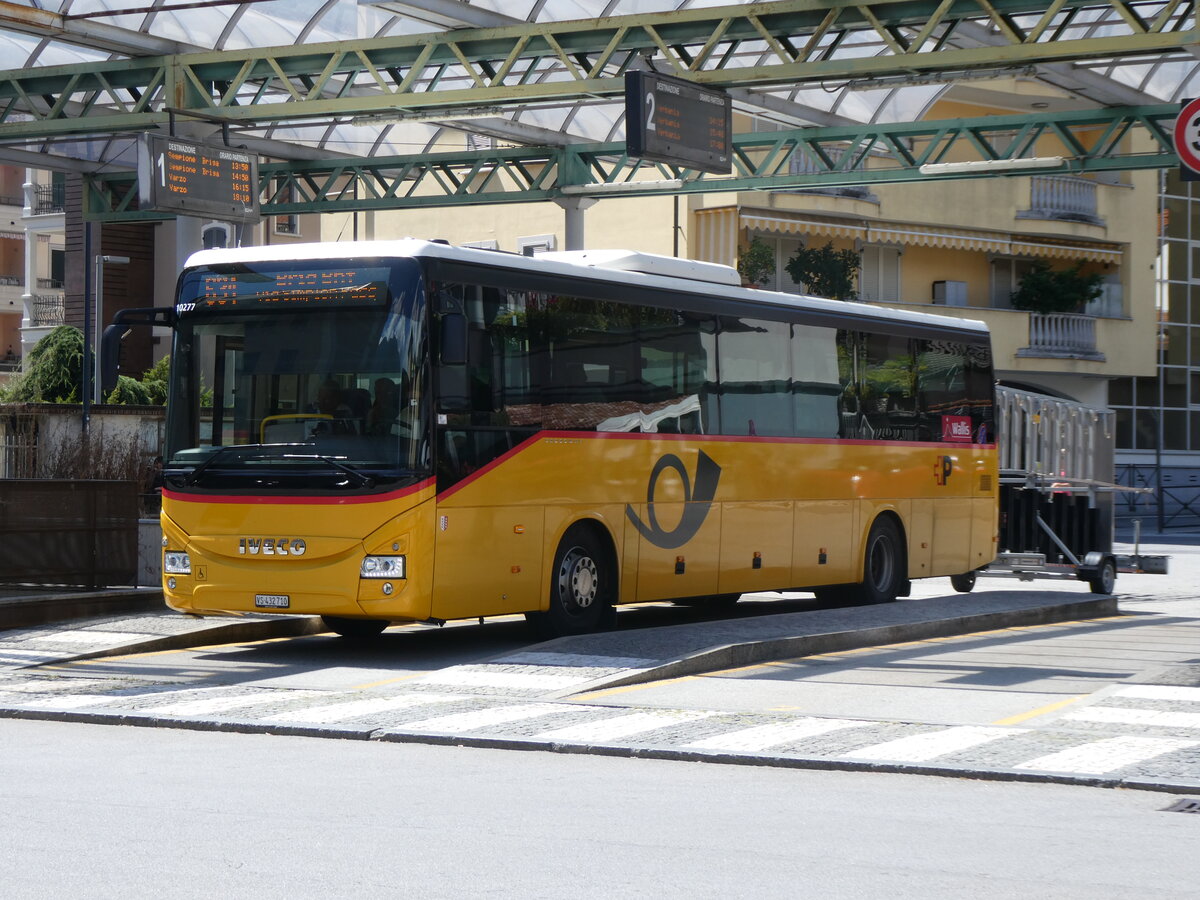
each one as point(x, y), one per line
point(233, 632)
point(732, 656)
point(611, 750)
point(27, 611)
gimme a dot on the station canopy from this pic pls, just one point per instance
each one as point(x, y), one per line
point(51, 33)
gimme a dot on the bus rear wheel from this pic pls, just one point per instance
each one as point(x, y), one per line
point(355, 629)
point(583, 586)
point(883, 563)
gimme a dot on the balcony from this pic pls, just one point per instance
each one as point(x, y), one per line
point(1061, 336)
point(1062, 198)
point(49, 198)
point(47, 310)
point(801, 163)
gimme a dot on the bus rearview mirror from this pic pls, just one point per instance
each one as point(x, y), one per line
point(110, 357)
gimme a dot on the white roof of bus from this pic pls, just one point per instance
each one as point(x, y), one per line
point(616, 266)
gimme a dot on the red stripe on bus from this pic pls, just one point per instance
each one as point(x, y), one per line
point(294, 500)
point(577, 436)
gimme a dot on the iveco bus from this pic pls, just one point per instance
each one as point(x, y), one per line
point(408, 431)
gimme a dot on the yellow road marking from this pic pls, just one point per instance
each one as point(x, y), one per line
point(100, 660)
point(371, 684)
point(1040, 711)
point(626, 688)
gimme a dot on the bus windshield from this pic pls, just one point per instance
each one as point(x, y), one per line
point(280, 367)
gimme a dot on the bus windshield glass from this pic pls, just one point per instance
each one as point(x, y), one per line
point(311, 370)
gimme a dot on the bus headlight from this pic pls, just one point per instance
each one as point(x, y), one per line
point(382, 567)
point(176, 562)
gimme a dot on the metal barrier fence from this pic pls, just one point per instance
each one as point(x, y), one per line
point(81, 534)
point(1179, 493)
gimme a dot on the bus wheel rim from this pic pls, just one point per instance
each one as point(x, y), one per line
point(578, 579)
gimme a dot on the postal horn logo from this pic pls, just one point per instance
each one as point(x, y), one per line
point(697, 497)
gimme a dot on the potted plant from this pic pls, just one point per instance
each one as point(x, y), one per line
point(826, 272)
point(756, 262)
point(1046, 290)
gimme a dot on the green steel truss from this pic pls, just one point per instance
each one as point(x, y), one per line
point(789, 42)
point(1089, 140)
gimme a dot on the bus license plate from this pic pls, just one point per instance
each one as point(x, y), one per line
point(271, 601)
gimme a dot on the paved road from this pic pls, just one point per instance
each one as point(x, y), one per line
point(1114, 701)
point(103, 812)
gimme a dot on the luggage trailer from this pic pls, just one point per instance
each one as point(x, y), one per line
point(1056, 495)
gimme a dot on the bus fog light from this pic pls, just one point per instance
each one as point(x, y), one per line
point(387, 589)
point(382, 567)
point(170, 584)
point(176, 562)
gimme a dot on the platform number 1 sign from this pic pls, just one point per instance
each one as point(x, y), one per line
point(1187, 140)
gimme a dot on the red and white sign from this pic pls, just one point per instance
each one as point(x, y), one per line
point(956, 428)
point(1187, 135)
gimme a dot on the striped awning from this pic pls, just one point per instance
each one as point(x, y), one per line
point(719, 230)
point(795, 225)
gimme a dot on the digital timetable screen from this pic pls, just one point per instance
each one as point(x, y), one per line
point(673, 120)
point(256, 287)
point(188, 178)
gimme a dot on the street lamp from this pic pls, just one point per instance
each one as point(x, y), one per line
point(98, 328)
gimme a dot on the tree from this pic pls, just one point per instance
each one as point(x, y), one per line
point(53, 370)
point(1046, 290)
point(826, 272)
point(756, 262)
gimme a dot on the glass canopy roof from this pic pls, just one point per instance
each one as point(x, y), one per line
point(91, 29)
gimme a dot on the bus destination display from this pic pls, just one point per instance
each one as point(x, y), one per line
point(672, 120)
point(187, 178)
point(210, 290)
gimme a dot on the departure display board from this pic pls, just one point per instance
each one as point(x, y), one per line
point(193, 179)
point(247, 287)
point(672, 120)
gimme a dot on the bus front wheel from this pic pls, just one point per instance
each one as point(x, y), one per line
point(883, 564)
point(583, 586)
point(964, 583)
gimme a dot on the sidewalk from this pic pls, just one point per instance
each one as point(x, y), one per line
point(23, 606)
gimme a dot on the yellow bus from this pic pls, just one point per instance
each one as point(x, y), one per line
point(407, 431)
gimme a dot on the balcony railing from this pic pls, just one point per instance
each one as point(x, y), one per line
point(11, 201)
point(1061, 336)
point(801, 163)
point(49, 198)
point(1066, 198)
point(47, 310)
point(12, 279)
point(52, 283)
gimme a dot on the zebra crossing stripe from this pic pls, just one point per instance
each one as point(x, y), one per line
point(1099, 757)
point(73, 701)
point(923, 747)
point(89, 637)
point(209, 705)
point(350, 709)
point(1120, 716)
point(762, 737)
point(457, 723)
point(1160, 692)
point(623, 726)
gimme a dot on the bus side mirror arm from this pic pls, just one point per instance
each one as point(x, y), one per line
point(110, 342)
point(453, 344)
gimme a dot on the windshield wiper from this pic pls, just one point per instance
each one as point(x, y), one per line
point(195, 474)
point(360, 479)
